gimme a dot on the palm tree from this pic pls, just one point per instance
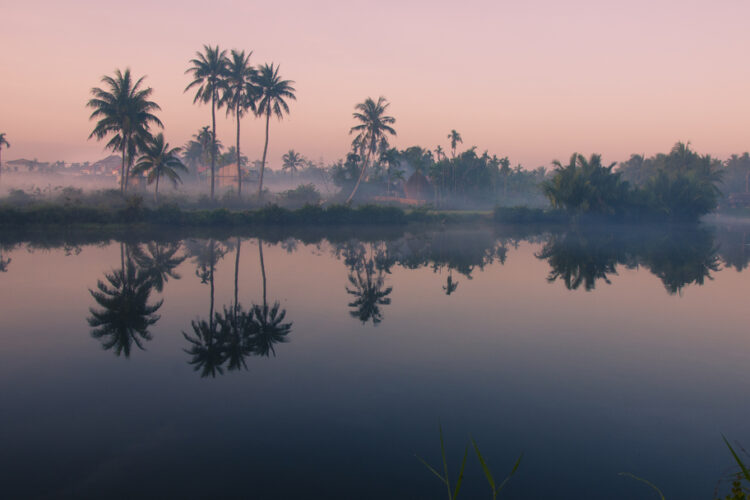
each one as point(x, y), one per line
point(208, 71)
point(371, 132)
point(455, 138)
point(292, 161)
point(3, 142)
point(159, 160)
point(126, 314)
point(239, 95)
point(272, 91)
point(125, 112)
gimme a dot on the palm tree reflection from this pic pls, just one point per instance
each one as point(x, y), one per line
point(229, 337)
point(125, 315)
point(369, 292)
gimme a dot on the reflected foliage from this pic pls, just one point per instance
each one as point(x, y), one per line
point(369, 292)
point(677, 257)
point(125, 314)
point(159, 262)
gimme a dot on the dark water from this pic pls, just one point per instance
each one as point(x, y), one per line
point(593, 352)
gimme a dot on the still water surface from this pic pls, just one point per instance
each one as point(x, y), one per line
point(277, 367)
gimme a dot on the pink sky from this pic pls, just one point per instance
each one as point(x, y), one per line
point(534, 80)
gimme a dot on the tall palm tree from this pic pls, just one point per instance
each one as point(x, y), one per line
point(124, 111)
point(455, 138)
point(209, 70)
point(3, 142)
point(239, 96)
point(272, 92)
point(126, 313)
point(159, 160)
point(371, 132)
point(292, 161)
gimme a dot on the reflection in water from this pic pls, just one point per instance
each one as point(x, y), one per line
point(229, 337)
point(159, 262)
point(579, 258)
point(367, 279)
point(450, 285)
point(678, 258)
point(4, 262)
point(125, 314)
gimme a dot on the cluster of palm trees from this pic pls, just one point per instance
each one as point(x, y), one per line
point(232, 82)
point(125, 113)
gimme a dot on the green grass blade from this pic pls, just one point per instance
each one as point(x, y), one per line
point(485, 468)
point(737, 459)
point(461, 474)
point(431, 469)
point(644, 481)
point(513, 471)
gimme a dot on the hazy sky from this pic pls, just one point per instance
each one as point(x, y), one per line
point(533, 79)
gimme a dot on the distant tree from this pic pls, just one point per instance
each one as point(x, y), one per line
point(240, 94)
point(292, 161)
point(125, 112)
point(371, 132)
point(159, 160)
point(3, 142)
point(455, 138)
point(587, 186)
point(272, 95)
point(208, 71)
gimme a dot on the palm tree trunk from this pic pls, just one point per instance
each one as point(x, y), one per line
point(262, 269)
point(359, 180)
point(211, 280)
point(122, 168)
point(213, 141)
point(236, 278)
point(239, 168)
point(265, 151)
point(156, 193)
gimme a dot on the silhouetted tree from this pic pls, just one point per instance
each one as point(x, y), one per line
point(272, 95)
point(124, 111)
point(209, 70)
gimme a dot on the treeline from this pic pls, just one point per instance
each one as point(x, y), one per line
point(679, 185)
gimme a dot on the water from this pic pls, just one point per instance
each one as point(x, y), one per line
point(593, 352)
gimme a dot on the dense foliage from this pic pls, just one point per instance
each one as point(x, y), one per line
point(679, 185)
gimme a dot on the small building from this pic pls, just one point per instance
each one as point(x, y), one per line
point(418, 188)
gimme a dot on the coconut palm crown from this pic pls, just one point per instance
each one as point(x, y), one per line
point(125, 113)
point(209, 69)
point(239, 95)
point(371, 132)
point(272, 95)
point(159, 160)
